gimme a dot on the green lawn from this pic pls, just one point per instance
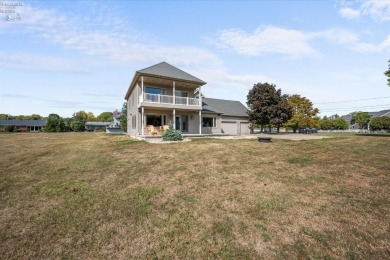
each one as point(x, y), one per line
point(92, 195)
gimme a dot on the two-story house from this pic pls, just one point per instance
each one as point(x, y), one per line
point(163, 94)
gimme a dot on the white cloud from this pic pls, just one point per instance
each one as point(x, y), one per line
point(351, 40)
point(116, 44)
point(292, 43)
point(27, 61)
point(378, 10)
point(349, 13)
point(338, 36)
point(268, 40)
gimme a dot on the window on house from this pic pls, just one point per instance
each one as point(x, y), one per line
point(161, 91)
point(209, 122)
point(133, 121)
point(179, 93)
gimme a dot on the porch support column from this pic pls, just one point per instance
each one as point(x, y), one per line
point(200, 122)
point(142, 88)
point(174, 90)
point(174, 119)
point(142, 121)
point(200, 96)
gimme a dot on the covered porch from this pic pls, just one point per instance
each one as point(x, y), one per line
point(154, 122)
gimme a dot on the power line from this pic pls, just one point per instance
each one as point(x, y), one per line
point(360, 107)
point(344, 101)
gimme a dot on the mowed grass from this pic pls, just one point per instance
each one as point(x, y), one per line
point(92, 195)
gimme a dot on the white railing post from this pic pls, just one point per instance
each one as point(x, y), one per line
point(200, 96)
point(187, 101)
point(159, 98)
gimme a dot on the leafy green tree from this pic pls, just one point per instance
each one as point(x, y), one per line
point(78, 122)
point(123, 117)
point(362, 119)
point(91, 117)
point(387, 74)
point(54, 116)
point(105, 117)
point(68, 124)
point(54, 123)
point(303, 113)
point(36, 117)
point(380, 123)
point(267, 105)
point(339, 124)
point(27, 117)
point(325, 123)
point(4, 116)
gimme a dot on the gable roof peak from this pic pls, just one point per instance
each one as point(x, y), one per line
point(164, 69)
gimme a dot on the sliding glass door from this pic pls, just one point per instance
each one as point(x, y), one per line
point(182, 123)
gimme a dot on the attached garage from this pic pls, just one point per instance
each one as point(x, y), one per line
point(231, 116)
point(244, 127)
point(228, 127)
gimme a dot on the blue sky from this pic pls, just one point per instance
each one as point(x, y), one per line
point(65, 56)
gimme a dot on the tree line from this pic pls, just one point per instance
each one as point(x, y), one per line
point(268, 107)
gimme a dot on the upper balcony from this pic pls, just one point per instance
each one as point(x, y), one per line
point(168, 101)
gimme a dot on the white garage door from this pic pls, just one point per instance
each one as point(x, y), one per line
point(244, 127)
point(229, 128)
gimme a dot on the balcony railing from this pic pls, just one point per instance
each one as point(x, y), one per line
point(165, 99)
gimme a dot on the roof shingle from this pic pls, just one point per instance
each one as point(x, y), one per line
point(164, 69)
point(225, 107)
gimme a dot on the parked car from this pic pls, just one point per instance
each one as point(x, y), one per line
point(308, 130)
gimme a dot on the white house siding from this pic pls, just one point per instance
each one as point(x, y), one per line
point(212, 130)
point(132, 109)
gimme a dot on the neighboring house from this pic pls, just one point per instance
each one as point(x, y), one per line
point(24, 125)
point(354, 125)
point(163, 94)
point(116, 123)
point(92, 126)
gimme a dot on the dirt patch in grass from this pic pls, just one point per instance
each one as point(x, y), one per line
point(92, 195)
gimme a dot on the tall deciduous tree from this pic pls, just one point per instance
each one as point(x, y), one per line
point(78, 122)
point(105, 117)
point(54, 123)
point(380, 123)
point(387, 74)
point(303, 113)
point(91, 117)
point(123, 117)
point(4, 116)
point(267, 105)
point(362, 119)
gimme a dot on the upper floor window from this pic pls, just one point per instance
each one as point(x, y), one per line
point(161, 91)
point(179, 93)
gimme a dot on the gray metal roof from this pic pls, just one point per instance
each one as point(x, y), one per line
point(164, 69)
point(97, 123)
point(348, 117)
point(225, 107)
point(23, 122)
